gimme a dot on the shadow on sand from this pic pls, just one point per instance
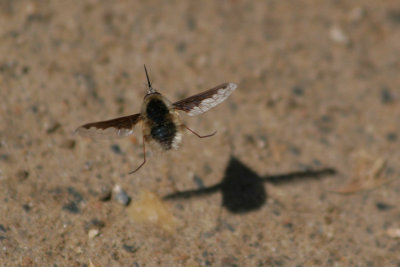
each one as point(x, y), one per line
point(243, 190)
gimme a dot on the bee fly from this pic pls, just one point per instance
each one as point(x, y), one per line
point(160, 119)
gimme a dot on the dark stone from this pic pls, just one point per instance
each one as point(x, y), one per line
point(121, 196)
point(191, 23)
point(97, 223)
point(298, 91)
point(198, 181)
point(71, 207)
point(391, 137)
point(53, 127)
point(116, 149)
point(386, 96)
point(289, 225)
point(383, 206)
point(35, 109)
point(130, 249)
point(394, 16)
point(295, 150)
point(68, 144)
point(22, 175)
point(25, 69)
point(181, 47)
point(105, 195)
point(4, 157)
point(228, 226)
point(26, 207)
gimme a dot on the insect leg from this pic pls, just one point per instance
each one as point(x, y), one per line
point(200, 136)
point(144, 158)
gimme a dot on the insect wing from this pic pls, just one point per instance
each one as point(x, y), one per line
point(202, 102)
point(119, 127)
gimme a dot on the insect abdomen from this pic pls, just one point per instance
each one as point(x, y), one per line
point(164, 133)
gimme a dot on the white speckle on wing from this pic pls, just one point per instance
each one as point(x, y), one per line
point(213, 100)
point(195, 111)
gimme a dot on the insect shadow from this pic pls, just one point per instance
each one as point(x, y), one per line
point(243, 190)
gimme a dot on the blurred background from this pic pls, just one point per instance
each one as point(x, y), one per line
point(303, 170)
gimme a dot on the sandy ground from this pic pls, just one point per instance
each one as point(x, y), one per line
point(303, 171)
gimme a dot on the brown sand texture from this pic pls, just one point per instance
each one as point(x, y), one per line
point(304, 167)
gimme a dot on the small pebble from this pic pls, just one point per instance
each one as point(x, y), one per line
point(262, 141)
point(102, 191)
point(34, 109)
point(298, 91)
point(22, 175)
point(116, 149)
point(208, 234)
point(26, 207)
point(130, 249)
point(383, 206)
point(391, 137)
point(394, 16)
point(207, 169)
point(288, 225)
point(25, 69)
point(356, 14)
point(338, 35)
point(228, 226)
point(249, 139)
point(386, 96)
point(393, 232)
point(97, 223)
point(105, 194)
point(198, 181)
point(88, 165)
point(93, 233)
point(181, 47)
point(316, 162)
point(191, 23)
point(120, 196)
point(68, 144)
point(295, 150)
point(4, 157)
point(71, 207)
point(54, 126)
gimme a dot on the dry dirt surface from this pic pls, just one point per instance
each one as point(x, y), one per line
point(304, 168)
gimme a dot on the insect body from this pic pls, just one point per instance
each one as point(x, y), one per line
point(160, 119)
point(162, 123)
